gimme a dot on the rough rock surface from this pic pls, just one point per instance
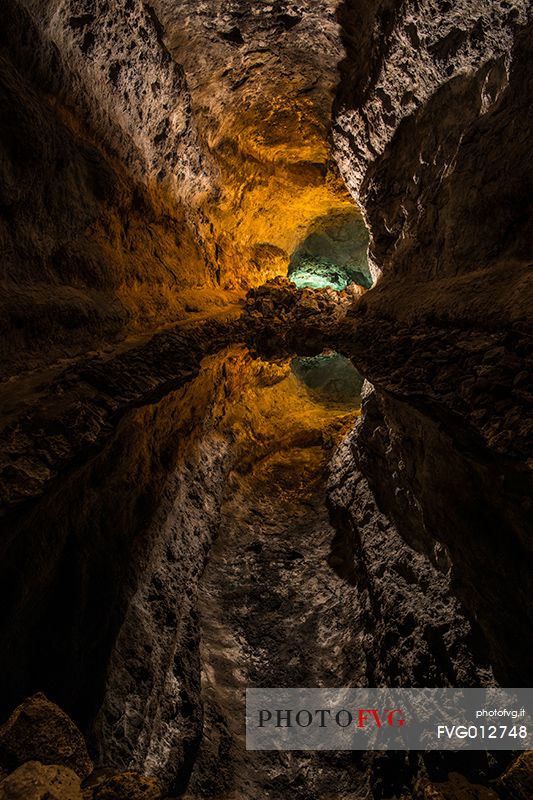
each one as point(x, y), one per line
point(244, 415)
point(38, 730)
point(437, 393)
point(262, 80)
point(36, 781)
point(115, 69)
point(516, 783)
point(138, 163)
point(402, 57)
point(280, 319)
point(455, 788)
point(267, 590)
point(432, 129)
point(86, 555)
point(93, 241)
point(121, 786)
point(80, 408)
point(150, 151)
point(416, 633)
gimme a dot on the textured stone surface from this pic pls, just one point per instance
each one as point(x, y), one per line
point(121, 786)
point(36, 781)
point(516, 783)
point(451, 504)
point(76, 412)
point(145, 155)
point(118, 73)
point(279, 318)
point(150, 157)
point(409, 68)
point(93, 241)
point(40, 731)
point(262, 78)
point(416, 633)
point(71, 561)
point(161, 710)
point(455, 788)
point(432, 128)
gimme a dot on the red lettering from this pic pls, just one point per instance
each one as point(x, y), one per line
point(365, 713)
point(392, 717)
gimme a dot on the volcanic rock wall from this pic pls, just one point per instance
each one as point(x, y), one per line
point(262, 79)
point(432, 130)
point(126, 181)
point(236, 423)
point(100, 167)
point(148, 152)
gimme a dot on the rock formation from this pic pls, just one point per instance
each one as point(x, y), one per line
point(176, 179)
point(43, 754)
point(427, 142)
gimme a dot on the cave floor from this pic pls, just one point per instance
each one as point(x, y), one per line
point(273, 613)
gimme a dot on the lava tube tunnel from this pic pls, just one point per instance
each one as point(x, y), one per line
point(265, 395)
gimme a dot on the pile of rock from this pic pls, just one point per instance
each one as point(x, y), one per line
point(282, 318)
point(43, 754)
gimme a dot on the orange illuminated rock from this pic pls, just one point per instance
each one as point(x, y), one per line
point(35, 781)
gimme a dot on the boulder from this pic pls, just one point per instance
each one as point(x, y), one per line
point(38, 730)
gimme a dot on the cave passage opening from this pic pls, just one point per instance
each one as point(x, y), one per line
point(333, 253)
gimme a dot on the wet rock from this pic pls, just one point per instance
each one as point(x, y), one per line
point(415, 632)
point(422, 108)
point(110, 203)
point(79, 410)
point(38, 730)
point(36, 781)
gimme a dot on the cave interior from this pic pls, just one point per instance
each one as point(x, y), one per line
point(265, 388)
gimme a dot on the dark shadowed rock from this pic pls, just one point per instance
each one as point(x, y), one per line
point(38, 730)
point(457, 787)
point(153, 156)
point(516, 783)
point(433, 135)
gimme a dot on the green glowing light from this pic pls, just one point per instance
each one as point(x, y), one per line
point(303, 278)
point(318, 273)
